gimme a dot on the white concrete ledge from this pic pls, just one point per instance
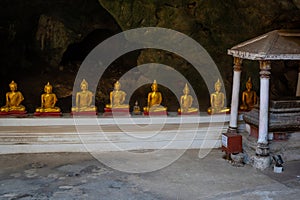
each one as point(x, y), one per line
point(68, 134)
point(82, 120)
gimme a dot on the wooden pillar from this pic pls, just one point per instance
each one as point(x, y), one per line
point(237, 69)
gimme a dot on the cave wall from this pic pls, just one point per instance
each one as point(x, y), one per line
point(39, 30)
point(216, 24)
point(36, 37)
point(46, 40)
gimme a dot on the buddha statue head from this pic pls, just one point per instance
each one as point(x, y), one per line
point(13, 86)
point(117, 85)
point(154, 86)
point(84, 85)
point(186, 89)
point(218, 86)
point(48, 88)
point(249, 84)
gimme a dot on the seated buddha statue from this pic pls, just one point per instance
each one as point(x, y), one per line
point(217, 100)
point(154, 100)
point(249, 97)
point(13, 100)
point(136, 109)
point(186, 101)
point(84, 99)
point(48, 101)
point(117, 97)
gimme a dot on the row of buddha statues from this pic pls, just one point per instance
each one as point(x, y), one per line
point(117, 97)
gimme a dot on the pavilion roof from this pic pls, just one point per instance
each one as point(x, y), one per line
point(274, 45)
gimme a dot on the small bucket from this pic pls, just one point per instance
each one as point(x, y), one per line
point(278, 169)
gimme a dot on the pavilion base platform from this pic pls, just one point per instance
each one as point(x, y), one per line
point(284, 129)
point(68, 134)
point(288, 149)
point(284, 115)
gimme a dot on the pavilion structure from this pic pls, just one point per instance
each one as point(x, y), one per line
point(274, 45)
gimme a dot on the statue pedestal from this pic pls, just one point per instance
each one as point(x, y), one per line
point(189, 113)
point(14, 113)
point(84, 113)
point(116, 112)
point(158, 113)
point(47, 114)
point(220, 113)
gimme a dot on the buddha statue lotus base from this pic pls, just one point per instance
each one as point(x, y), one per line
point(84, 113)
point(116, 112)
point(14, 113)
point(47, 114)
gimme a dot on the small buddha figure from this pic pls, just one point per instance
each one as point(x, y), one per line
point(117, 97)
point(154, 100)
point(48, 101)
point(217, 100)
point(13, 100)
point(136, 109)
point(249, 97)
point(186, 101)
point(84, 99)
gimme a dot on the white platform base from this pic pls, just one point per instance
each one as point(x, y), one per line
point(35, 135)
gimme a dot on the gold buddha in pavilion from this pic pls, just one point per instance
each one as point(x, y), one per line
point(13, 100)
point(48, 101)
point(217, 100)
point(186, 101)
point(154, 100)
point(117, 97)
point(249, 97)
point(84, 99)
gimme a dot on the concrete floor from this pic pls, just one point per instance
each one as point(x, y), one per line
point(80, 176)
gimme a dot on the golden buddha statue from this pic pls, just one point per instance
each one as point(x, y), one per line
point(249, 97)
point(84, 99)
point(217, 100)
point(13, 100)
point(48, 101)
point(154, 100)
point(117, 97)
point(186, 101)
point(136, 109)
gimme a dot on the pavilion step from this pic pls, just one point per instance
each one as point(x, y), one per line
point(289, 149)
